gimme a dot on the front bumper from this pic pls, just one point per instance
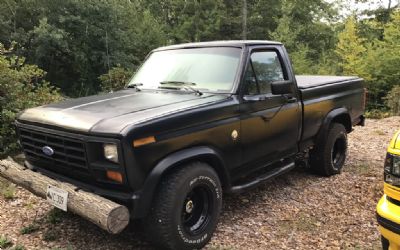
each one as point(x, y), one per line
point(388, 216)
point(117, 196)
point(133, 201)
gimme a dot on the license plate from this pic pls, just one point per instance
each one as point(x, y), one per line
point(57, 197)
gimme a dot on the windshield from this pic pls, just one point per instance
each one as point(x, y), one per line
point(206, 69)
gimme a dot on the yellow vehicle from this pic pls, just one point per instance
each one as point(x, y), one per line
point(388, 208)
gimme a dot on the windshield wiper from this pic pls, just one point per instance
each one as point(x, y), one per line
point(178, 83)
point(135, 86)
point(183, 85)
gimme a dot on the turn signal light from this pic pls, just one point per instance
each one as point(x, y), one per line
point(143, 141)
point(115, 176)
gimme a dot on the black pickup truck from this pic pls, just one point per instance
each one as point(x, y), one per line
point(195, 121)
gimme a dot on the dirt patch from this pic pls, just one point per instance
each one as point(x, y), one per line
point(295, 211)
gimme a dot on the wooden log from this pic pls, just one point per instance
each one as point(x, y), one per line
point(105, 213)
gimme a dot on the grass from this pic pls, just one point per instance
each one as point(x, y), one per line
point(50, 235)
point(7, 189)
point(19, 247)
point(29, 229)
point(9, 192)
point(5, 242)
point(55, 216)
point(376, 114)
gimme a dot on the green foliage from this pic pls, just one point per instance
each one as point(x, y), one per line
point(55, 216)
point(21, 86)
point(375, 57)
point(5, 242)
point(18, 247)
point(382, 62)
point(50, 235)
point(29, 229)
point(7, 190)
point(350, 49)
point(76, 41)
point(393, 100)
point(376, 114)
point(115, 79)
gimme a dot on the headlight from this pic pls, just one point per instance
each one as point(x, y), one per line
point(392, 169)
point(111, 152)
point(396, 165)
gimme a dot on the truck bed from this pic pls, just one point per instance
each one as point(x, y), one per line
point(321, 94)
point(308, 81)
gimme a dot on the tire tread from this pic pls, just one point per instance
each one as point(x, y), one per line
point(321, 157)
point(160, 233)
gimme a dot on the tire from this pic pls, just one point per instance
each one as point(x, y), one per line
point(385, 243)
point(329, 155)
point(186, 208)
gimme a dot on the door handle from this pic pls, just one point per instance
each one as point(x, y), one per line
point(262, 98)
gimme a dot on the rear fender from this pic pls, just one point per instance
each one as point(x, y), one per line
point(339, 115)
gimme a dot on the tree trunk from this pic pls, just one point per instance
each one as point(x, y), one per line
point(244, 20)
point(106, 214)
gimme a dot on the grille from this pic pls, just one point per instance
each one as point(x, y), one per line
point(69, 156)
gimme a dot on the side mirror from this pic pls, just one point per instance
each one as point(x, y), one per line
point(281, 87)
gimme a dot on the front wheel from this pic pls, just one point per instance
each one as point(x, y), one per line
point(186, 208)
point(329, 155)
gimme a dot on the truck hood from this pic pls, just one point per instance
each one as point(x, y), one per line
point(111, 113)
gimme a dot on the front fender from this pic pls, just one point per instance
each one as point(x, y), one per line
point(201, 153)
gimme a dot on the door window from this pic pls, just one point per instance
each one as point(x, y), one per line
point(264, 68)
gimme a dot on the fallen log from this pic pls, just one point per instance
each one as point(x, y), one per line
point(105, 213)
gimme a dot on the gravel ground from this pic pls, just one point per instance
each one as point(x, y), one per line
point(295, 211)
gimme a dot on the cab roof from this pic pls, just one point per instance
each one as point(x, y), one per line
point(230, 43)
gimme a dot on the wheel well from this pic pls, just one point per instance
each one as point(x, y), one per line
point(343, 119)
point(211, 160)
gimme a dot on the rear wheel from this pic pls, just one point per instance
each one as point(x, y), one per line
point(186, 208)
point(329, 155)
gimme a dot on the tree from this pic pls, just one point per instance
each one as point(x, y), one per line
point(188, 20)
point(76, 41)
point(115, 79)
point(21, 87)
point(305, 23)
point(383, 61)
point(351, 50)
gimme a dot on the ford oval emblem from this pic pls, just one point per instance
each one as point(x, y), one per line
point(48, 151)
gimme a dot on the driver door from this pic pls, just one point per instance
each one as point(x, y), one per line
point(269, 123)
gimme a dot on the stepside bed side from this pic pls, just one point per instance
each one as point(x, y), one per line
point(324, 98)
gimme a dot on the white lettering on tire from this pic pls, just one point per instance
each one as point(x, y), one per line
point(189, 241)
point(201, 177)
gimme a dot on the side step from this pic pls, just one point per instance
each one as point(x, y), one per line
point(260, 179)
